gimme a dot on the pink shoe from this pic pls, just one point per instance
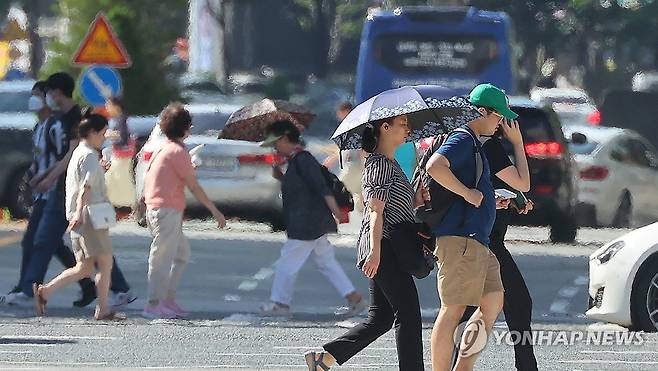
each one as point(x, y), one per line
point(175, 308)
point(158, 312)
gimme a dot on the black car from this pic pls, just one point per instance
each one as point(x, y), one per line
point(16, 157)
point(553, 185)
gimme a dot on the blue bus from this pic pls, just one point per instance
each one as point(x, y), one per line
point(456, 47)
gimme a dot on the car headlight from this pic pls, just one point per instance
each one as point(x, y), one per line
point(610, 251)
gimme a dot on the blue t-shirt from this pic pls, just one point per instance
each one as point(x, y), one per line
point(464, 219)
point(406, 157)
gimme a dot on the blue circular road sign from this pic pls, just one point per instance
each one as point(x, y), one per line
point(98, 83)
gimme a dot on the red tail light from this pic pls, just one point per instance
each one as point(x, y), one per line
point(268, 159)
point(594, 118)
point(594, 173)
point(542, 150)
point(147, 156)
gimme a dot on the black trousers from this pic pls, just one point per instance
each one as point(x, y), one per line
point(518, 303)
point(393, 303)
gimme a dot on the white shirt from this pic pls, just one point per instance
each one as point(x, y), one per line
point(84, 170)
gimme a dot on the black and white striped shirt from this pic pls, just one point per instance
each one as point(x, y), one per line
point(383, 179)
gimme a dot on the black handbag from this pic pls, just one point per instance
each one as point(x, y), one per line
point(413, 246)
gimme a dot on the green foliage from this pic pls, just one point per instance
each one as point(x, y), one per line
point(147, 28)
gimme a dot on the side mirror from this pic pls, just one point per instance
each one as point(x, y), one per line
point(578, 138)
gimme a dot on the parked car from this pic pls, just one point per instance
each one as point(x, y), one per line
point(623, 280)
point(16, 157)
point(14, 95)
point(607, 160)
point(553, 182)
point(235, 174)
point(548, 97)
point(16, 126)
point(577, 114)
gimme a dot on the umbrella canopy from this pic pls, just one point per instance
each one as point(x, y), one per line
point(431, 110)
point(250, 122)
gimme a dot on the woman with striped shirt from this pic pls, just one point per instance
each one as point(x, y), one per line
point(389, 200)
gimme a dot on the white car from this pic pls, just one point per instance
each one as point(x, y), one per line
point(577, 114)
point(560, 95)
point(618, 176)
point(623, 280)
point(573, 106)
point(236, 175)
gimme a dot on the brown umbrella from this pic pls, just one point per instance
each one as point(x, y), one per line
point(250, 122)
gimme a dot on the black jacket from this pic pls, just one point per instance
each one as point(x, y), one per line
point(303, 189)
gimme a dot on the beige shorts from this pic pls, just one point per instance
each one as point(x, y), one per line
point(467, 271)
point(88, 242)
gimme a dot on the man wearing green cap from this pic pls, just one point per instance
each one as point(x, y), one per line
point(515, 177)
point(469, 273)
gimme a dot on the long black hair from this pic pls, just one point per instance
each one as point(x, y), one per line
point(371, 134)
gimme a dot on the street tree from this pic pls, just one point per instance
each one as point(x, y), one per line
point(148, 30)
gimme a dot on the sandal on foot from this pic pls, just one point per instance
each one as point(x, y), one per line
point(313, 363)
point(112, 316)
point(39, 301)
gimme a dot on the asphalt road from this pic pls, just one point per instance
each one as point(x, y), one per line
point(230, 276)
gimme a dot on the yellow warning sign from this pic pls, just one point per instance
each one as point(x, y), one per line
point(5, 62)
point(101, 46)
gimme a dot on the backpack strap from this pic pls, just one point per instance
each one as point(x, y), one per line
point(477, 154)
point(479, 167)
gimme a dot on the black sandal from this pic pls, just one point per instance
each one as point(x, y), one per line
point(313, 364)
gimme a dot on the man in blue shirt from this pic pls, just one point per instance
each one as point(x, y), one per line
point(469, 273)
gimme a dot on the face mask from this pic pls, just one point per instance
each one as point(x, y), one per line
point(51, 102)
point(35, 104)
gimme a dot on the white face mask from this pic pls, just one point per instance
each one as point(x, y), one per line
point(35, 104)
point(51, 102)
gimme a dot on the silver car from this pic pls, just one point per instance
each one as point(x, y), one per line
point(236, 175)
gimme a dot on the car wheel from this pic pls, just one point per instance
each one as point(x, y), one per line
point(623, 216)
point(644, 297)
point(564, 229)
point(20, 195)
point(277, 223)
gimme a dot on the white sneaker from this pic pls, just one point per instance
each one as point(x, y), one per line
point(352, 309)
point(123, 298)
point(274, 310)
point(19, 299)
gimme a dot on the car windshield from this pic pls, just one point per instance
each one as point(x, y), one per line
point(14, 101)
point(208, 123)
point(436, 53)
point(535, 125)
point(583, 148)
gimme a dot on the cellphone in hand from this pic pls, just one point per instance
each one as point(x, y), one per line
point(519, 201)
point(505, 194)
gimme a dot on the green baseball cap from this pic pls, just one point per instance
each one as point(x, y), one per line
point(490, 96)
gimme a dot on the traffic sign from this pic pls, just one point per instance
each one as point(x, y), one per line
point(101, 46)
point(98, 83)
